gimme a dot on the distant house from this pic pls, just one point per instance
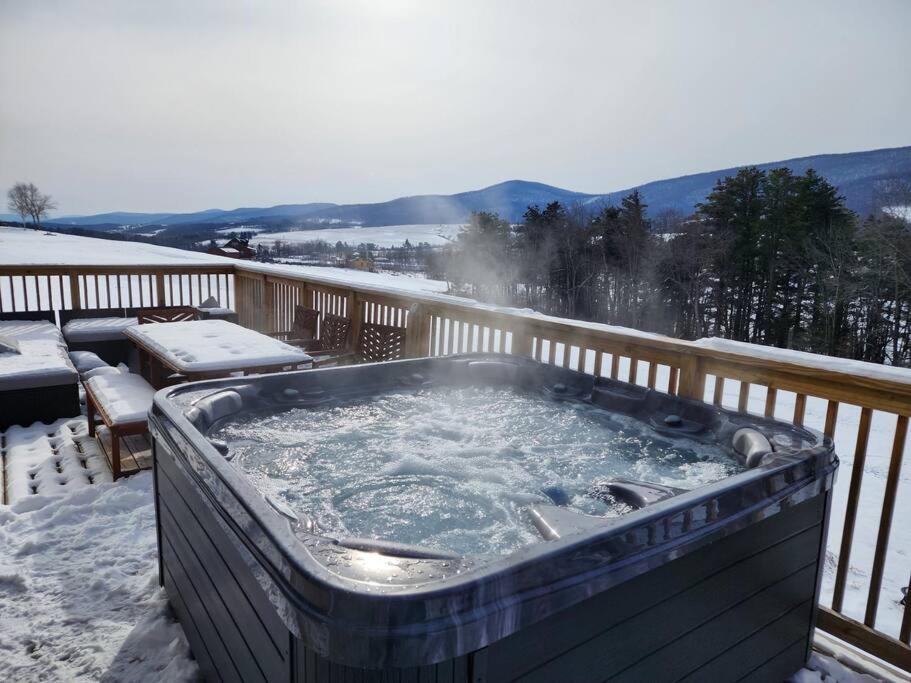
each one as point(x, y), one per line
point(234, 248)
point(360, 263)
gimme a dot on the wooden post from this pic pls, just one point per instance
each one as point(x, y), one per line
point(268, 306)
point(356, 314)
point(521, 342)
point(159, 289)
point(417, 335)
point(75, 296)
point(692, 378)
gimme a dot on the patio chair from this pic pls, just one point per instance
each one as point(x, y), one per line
point(333, 331)
point(375, 343)
point(303, 329)
point(174, 314)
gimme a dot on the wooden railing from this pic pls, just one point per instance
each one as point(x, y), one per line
point(831, 399)
point(31, 288)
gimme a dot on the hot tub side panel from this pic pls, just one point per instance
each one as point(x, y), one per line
point(742, 607)
point(234, 631)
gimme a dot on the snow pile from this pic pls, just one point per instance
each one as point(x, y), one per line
point(822, 669)
point(79, 595)
point(51, 459)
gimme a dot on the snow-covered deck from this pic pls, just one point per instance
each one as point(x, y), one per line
point(861, 405)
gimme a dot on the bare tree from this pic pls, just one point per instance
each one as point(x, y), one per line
point(39, 205)
point(28, 201)
point(18, 200)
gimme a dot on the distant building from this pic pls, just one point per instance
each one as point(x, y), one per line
point(360, 263)
point(234, 248)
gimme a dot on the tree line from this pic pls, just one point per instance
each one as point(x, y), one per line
point(768, 257)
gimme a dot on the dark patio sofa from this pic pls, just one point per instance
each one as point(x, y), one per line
point(38, 384)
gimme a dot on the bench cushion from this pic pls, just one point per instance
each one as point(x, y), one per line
point(86, 360)
point(39, 363)
point(96, 329)
point(123, 398)
point(31, 330)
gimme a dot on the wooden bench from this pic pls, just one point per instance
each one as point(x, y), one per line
point(122, 402)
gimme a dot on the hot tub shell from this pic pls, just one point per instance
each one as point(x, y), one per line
point(717, 583)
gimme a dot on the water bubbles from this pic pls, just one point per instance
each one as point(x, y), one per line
point(454, 469)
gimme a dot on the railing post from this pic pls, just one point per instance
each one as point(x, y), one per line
point(418, 333)
point(159, 289)
point(75, 296)
point(355, 314)
point(521, 342)
point(692, 378)
point(268, 305)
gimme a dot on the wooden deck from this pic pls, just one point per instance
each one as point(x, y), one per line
point(135, 451)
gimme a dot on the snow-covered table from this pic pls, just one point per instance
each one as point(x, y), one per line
point(200, 349)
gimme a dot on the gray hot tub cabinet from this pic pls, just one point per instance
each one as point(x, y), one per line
point(715, 584)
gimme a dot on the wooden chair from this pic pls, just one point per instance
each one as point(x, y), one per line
point(303, 329)
point(175, 314)
point(375, 343)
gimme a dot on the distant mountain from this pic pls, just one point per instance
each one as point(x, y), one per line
point(123, 219)
point(858, 176)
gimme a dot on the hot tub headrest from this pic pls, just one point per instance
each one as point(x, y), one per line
point(634, 493)
point(751, 444)
point(554, 522)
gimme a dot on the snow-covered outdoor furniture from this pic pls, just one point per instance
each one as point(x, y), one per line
point(173, 314)
point(122, 401)
point(37, 380)
point(313, 331)
point(210, 309)
point(99, 331)
point(86, 361)
point(376, 343)
point(201, 349)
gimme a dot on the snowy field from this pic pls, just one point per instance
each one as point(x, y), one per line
point(21, 247)
point(386, 236)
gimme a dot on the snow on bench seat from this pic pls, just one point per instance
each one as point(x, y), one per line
point(124, 398)
point(31, 330)
point(39, 363)
point(97, 329)
point(51, 459)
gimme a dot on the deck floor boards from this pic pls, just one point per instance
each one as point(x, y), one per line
point(135, 451)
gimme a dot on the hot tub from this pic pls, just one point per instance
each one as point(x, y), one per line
point(484, 518)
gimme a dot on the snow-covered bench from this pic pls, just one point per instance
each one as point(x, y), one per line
point(100, 331)
point(122, 401)
point(37, 380)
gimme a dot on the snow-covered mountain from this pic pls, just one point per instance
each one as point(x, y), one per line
point(858, 175)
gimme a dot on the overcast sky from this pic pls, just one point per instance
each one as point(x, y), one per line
point(180, 105)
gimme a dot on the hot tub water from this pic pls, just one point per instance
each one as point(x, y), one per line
point(455, 469)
